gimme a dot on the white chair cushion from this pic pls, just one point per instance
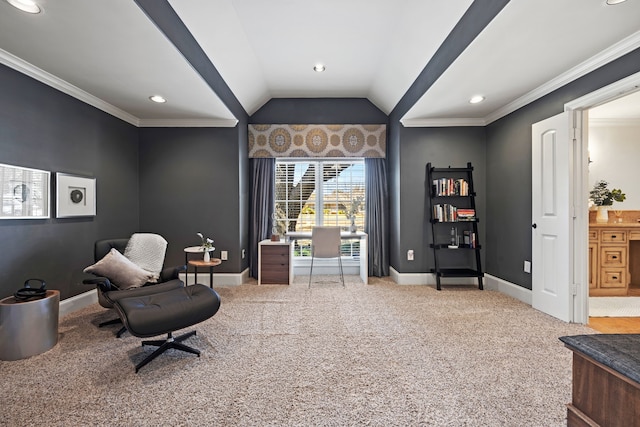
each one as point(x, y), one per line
point(147, 251)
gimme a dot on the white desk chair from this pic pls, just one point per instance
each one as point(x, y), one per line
point(325, 243)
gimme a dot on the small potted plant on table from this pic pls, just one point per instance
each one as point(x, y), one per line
point(603, 198)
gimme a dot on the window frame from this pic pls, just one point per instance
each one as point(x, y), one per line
point(350, 249)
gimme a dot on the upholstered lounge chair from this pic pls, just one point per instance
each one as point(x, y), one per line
point(123, 274)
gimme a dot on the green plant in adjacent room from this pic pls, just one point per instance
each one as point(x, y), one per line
point(602, 196)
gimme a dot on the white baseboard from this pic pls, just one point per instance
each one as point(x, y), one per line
point(78, 302)
point(428, 279)
point(219, 279)
point(490, 282)
point(518, 292)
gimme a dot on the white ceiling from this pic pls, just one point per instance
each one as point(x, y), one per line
point(111, 55)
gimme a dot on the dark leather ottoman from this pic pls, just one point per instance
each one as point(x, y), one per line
point(164, 312)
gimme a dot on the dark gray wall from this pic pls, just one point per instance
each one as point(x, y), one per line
point(508, 241)
point(319, 111)
point(192, 180)
point(442, 147)
point(44, 129)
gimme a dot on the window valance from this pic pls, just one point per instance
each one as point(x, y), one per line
point(341, 140)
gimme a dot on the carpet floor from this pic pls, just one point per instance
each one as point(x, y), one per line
point(614, 306)
point(365, 355)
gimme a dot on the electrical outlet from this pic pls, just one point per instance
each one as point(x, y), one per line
point(243, 253)
point(527, 266)
point(410, 255)
point(224, 255)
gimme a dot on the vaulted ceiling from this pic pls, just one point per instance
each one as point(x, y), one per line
point(112, 54)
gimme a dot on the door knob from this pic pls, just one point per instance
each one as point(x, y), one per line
point(534, 225)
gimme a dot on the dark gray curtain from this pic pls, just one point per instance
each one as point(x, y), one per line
point(377, 208)
point(262, 200)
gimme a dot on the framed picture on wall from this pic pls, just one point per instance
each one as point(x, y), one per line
point(75, 196)
point(25, 193)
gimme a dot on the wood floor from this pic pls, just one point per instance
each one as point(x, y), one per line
point(615, 325)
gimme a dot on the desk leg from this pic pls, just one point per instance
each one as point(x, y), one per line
point(364, 260)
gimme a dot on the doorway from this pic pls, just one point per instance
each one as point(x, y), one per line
point(582, 107)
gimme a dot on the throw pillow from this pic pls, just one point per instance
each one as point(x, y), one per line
point(119, 270)
point(147, 251)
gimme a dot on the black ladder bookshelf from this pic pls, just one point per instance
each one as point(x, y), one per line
point(454, 224)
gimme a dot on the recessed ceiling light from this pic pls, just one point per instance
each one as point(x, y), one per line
point(319, 68)
point(612, 2)
point(157, 98)
point(476, 99)
point(28, 6)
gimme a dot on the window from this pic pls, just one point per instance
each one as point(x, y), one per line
point(319, 192)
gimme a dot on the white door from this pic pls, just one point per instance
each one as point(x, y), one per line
point(552, 256)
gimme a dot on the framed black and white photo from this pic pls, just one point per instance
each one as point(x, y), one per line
point(25, 193)
point(76, 196)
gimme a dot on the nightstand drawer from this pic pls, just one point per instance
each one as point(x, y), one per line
point(274, 277)
point(274, 259)
point(275, 250)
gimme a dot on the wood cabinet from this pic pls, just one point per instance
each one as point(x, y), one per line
point(603, 394)
point(275, 266)
point(613, 259)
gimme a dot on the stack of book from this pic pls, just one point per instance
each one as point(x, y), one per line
point(466, 214)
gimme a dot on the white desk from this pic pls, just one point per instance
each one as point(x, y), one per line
point(345, 235)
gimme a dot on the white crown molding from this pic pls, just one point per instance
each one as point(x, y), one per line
point(434, 123)
point(189, 123)
point(605, 94)
point(612, 53)
point(628, 121)
point(42, 76)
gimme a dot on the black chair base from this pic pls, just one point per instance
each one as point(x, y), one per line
point(164, 345)
point(116, 321)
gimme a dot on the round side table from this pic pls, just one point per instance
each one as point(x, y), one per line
point(28, 328)
point(199, 263)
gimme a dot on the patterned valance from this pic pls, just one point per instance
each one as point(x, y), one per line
point(317, 140)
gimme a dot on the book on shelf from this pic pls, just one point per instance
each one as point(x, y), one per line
point(469, 239)
point(466, 214)
point(445, 213)
point(450, 187)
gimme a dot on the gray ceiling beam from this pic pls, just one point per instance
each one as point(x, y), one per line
point(167, 20)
